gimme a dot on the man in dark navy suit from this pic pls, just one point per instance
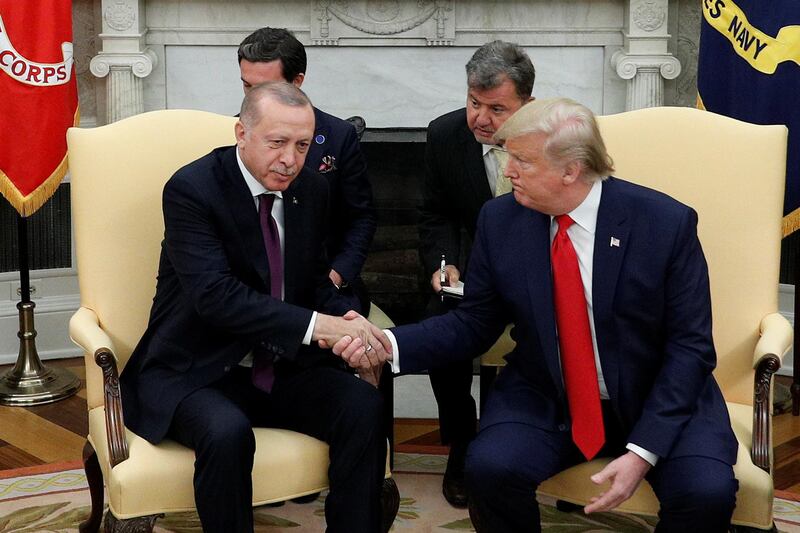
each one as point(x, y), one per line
point(230, 340)
point(462, 172)
point(607, 286)
point(274, 54)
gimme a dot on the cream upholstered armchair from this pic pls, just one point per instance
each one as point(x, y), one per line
point(117, 174)
point(733, 174)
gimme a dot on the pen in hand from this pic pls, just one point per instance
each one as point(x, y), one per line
point(442, 275)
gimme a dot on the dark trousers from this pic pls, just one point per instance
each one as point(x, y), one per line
point(452, 387)
point(507, 461)
point(323, 402)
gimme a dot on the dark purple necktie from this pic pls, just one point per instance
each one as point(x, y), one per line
point(263, 371)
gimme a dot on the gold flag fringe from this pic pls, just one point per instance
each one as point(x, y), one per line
point(28, 205)
point(700, 105)
point(791, 222)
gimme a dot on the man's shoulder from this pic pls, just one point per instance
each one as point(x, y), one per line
point(449, 122)
point(208, 167)
point(640, 196)
point(645, 204)
point(330, 122)
point(505, 205)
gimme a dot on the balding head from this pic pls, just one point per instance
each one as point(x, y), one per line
point(278, 91)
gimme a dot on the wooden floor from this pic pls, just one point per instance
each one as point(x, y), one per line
point(56, 433)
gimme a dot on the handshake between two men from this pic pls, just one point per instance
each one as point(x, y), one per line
point(361, 344)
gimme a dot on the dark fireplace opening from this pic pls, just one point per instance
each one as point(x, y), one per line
point(393, 273)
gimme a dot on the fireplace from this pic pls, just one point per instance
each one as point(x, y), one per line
point(393, 272)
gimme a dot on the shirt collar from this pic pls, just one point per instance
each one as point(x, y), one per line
point(585, 215)
point(489, 147)
point(253, 184)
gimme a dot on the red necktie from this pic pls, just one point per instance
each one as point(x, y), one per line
point(263, 372)
point(575, 343)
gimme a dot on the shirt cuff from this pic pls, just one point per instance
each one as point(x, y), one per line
point(310, 330)
point(395, 361)
point(650, 457)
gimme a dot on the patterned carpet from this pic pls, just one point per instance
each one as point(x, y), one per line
point(54, 498)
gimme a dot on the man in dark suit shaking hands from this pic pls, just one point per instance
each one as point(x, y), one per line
point(607, 286)
point(462, 172)
point(274, 54)
point(230, 343)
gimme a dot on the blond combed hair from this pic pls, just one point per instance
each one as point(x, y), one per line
point(570, 130)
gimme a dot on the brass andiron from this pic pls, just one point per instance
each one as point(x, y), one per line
point(30, 382)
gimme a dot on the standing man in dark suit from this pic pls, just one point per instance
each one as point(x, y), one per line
point(274, 54)
point(230, 340)
point(608, 289)
point(462, 172)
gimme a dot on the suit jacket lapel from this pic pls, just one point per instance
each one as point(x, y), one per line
point(319, 144)
point(244, 215)
point(294, 217)
point(540, 288)
point(611, 238)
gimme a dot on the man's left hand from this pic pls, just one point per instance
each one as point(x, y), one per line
point(336, 279)
point(625, 474)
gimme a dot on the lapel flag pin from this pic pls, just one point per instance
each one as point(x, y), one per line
point(614, 242)
point(295, 202)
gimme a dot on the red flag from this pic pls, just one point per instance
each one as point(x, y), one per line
point(38, 99)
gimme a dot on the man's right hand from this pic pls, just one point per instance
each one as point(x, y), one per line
point(357, 356)
point(451, 275)
point(328, 330)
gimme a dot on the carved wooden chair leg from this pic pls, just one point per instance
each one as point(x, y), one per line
point(390, 504)
point(94, 476)
point(140, 524)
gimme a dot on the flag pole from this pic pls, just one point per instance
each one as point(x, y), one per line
point(30, 382)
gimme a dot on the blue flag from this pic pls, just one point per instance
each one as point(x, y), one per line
point(749, 69)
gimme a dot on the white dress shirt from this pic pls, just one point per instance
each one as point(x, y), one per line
point(256, 189)
point(582, 235)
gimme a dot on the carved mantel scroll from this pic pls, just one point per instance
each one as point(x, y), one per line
point(132, 63)
point(377, 22)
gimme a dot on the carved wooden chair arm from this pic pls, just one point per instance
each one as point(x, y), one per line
point(775, 341)
point(85, 331)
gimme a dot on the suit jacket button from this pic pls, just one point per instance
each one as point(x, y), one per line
point(227, 368)
point(280, 350)
point(263, 344)
point(562, 427)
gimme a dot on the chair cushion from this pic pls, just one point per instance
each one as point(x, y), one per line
point(158, 479)
point(504, 345)
point(753, 500)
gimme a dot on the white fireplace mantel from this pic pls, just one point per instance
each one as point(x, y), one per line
point(396, 63)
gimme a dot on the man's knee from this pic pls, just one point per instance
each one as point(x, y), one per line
point(226, 435)
point(486, 469)
point(711, 493)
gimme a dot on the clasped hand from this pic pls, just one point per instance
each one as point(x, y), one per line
point(361, 344)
